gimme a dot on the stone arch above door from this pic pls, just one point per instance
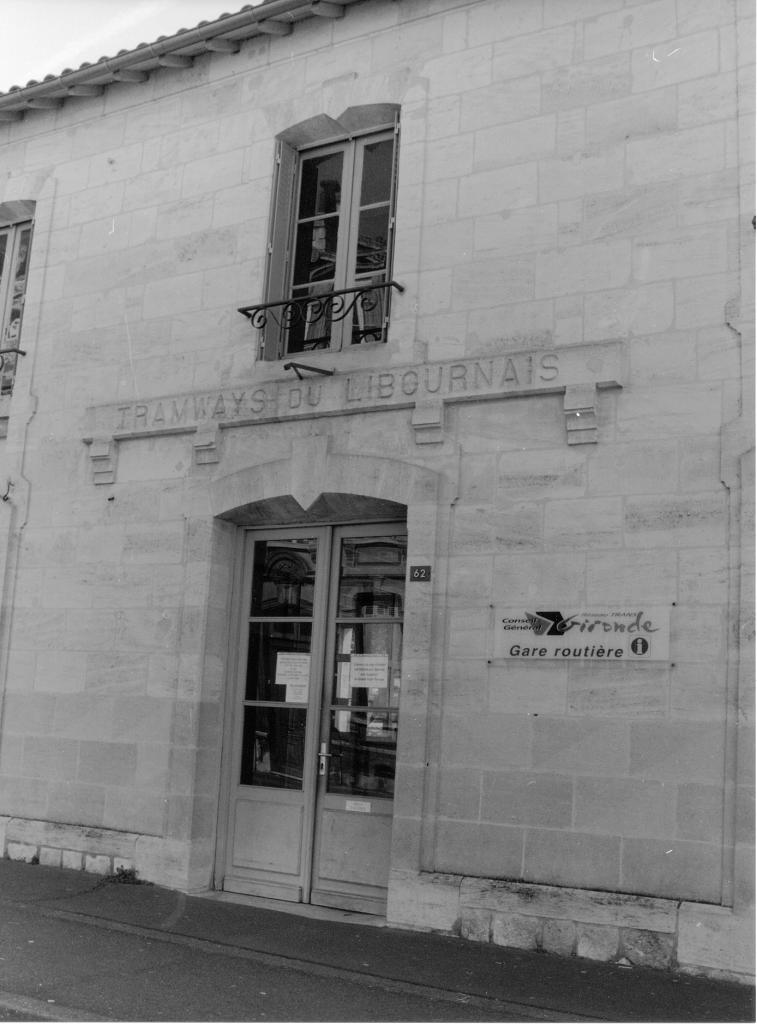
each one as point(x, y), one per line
point(314, 483)
point(327, 508)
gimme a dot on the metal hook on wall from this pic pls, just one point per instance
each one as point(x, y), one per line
point(8, 489)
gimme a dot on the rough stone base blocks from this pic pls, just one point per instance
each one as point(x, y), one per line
point(99, 851)
point(633, 930)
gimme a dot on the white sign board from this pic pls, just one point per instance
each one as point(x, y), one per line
point(628, 633)
point(362, 806)
point(369, 670)
point(293, 672)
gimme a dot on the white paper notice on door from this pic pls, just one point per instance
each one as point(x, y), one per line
point(293, 672)
point(369, 670)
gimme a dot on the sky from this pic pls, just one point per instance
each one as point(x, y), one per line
point(42, 37)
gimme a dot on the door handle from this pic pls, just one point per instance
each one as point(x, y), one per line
point(323, 759)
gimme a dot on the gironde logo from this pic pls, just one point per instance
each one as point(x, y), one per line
point(546, 623)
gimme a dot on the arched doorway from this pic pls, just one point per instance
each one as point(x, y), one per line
point(316, 700)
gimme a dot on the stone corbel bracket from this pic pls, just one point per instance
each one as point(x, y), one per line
point(207, 446)
point(427, 421)
point(103, 453)
point(580, 408)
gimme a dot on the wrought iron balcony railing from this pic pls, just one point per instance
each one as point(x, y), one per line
point(306, 323)
point(8, 361)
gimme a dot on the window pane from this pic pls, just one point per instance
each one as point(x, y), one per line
point(3, 244)
point(22, 258)
point(369, 315)
point(276, 668)
point(363, 752)
point(321, 184)
point(273, 747)
point(283, 576)
point(315, 250)
point(377, 172)
point(309, 322)
point(372, 577)
point(367, 666)
point(373, 231)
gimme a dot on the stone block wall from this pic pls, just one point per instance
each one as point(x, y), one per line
point(571, 172)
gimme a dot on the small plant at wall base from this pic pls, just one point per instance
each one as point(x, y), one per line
point(125, 876)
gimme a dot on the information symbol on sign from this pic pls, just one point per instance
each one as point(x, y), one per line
point(640, 645)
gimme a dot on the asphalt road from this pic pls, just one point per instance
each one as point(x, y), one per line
point(75, 947)
point(66, 967)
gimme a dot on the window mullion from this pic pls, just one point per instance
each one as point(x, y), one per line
point(353, 218)
point(347, 243)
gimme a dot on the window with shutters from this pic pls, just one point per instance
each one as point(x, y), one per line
point(329, 276)
point(15, 240)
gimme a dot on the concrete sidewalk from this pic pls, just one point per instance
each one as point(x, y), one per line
point(344, 947)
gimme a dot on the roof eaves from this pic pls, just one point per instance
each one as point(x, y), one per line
point(224, 34)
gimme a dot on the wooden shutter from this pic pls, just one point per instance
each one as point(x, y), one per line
point(279, 240)
point(392, 226)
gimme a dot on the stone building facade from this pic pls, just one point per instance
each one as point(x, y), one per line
point(376, 478)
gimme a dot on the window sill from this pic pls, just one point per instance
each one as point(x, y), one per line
point(373, 357)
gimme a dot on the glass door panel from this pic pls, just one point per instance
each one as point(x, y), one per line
point(360, 718)
point(283, 577)
point(367, 664)
point(372, 577)
point(277, 716)
point(363, 752)
point(278, 662)
point(317, 715)
point(277, 685)
point(366, 669)
point(273, 747)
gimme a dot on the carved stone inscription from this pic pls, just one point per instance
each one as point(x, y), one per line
point(516, 373)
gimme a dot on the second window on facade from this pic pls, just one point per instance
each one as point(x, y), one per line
point(330, 252)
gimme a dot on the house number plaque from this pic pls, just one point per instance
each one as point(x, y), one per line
point(420, 573)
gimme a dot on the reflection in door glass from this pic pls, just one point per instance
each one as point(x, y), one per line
point(372, 577)
point(282, 578)
point(363, 748)
point(368, 664)
point(273, 747)
point(278, 661)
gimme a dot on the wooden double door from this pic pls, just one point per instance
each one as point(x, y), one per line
point(316, 715)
